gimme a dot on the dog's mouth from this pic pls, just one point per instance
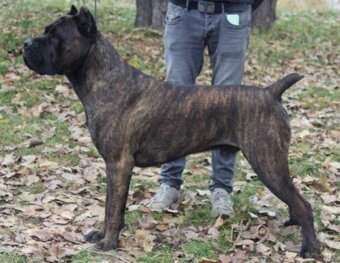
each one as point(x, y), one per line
point(27, 63)
point(32, 58)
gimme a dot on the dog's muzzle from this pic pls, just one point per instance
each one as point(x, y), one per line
point(32, 55)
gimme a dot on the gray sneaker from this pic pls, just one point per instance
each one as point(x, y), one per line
point(165, 196)
point(221, 202)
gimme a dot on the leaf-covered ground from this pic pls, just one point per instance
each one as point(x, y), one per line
point(52, 180)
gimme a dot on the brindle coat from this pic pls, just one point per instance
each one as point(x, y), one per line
point(135, 119)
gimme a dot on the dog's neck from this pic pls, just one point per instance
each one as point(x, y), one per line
point(101, 55)
point(86, 77)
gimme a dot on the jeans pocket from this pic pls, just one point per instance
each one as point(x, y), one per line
point(238, 19)
point(174, 14)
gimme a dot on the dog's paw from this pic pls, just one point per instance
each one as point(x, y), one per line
point(94, 236)
point(311, 251)
point(291, 222)
point(106, 245)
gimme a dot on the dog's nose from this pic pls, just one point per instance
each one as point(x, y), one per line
point(28, 42)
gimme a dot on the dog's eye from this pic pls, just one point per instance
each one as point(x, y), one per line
point(49, 30)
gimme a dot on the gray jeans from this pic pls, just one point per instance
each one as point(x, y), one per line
point(187, 34)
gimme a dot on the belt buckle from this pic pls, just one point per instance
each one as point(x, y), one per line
point(206, 7)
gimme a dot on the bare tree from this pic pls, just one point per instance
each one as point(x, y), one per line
point(264, 16)
point(150, 13)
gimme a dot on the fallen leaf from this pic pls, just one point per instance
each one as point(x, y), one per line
point(147, 223)
point(57, 252)
point(291, 255)
point(303, 134)
point(251, 176)
point(213, 233)
point(171, 211)
point(240, 256)
point(63, 90)
point(67, 215)
point(246, 244)
point(267, 212)
point(292, 247)
point(190, 235)
point(42, 235)
point(31, 179)
point(328, 198)
point(72, 237)
point(225, 258)
point(332, 244)
point(74, 178)
point(205, 260)
point(9, 160)
point(263, 249)
point(37, 110)
point(203, 192)
point(331, 209)
point(219, 222)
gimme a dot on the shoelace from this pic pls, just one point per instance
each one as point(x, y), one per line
point(161, 194)
point(219, 198)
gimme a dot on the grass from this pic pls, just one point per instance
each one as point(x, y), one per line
point(137, 184)
point(297, 34)
point(132, 217)
point(17, 126)
point(86, 256)
point(302, 5)
point(13, 258)
point(165, 255)
point(303, 167)
point(294, 237)
point(4, 65)
point(7, 96)
point(199, 216)
point(36, 188)
point(199, 249)
point(318, 97)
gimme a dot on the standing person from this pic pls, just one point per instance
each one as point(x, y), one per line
point(224, 28)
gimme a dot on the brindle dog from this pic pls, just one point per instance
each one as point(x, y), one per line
point(135, 119)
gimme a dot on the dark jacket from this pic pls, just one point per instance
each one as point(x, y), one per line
point(253, 3)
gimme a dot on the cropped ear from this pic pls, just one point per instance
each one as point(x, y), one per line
point(85, 22)
point(73, 11)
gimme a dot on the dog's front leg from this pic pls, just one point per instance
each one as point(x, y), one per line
point(118, 182)
point(95, 236)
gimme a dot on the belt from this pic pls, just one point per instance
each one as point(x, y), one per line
point(209, 6)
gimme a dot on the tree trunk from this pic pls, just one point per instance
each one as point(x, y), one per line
point(158, 13)
point(264, 16)
point(144, 13)
point(150, 13)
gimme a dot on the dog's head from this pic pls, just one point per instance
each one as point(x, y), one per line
point(64, 44)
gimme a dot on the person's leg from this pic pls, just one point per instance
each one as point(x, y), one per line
point(227, 44)
point(184, 46)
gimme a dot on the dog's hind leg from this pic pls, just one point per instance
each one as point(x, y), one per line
point(269, 159)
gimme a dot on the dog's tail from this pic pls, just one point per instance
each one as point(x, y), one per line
point(281, 85)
